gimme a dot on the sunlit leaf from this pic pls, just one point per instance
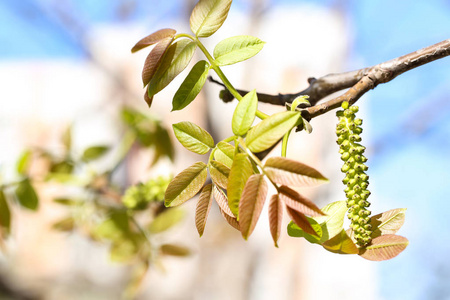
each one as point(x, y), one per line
point(153, 38)
point(26, 195)
point(270, 130)
point(175, 60)
point(302, 221)
point(230, 220)
point(174, 250)
point(388, 222)
point(222, 201)
point(186, 184)
point(240, 172)
point(164, 146)
point(235, 49)
point(166, 220)
point(193, 137)
point(219, 174)
point(23, 163)
point(62, 167)
point(203, 207)
point(251, 204)
point(244, 114)
point(66, 138)
point(275, 217)
point(384, 247)
point(66, 224)
point(224, 154)
point(153, 60)
point(191, 86)
point(94, 152)
point(297, 202)
point(208, 16)
point(292, 173)
point(5, 215)
point(341, 244)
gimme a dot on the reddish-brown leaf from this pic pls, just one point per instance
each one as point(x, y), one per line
point(251, 204)
point(384, 247)
point(153, 38)
point(231, 220)
point(148, 99)
point(275, 217)
point(299, 203)
point(222, 201)
point(341, 243)
point(203, 207)
point(290, 172)
point(154, 60)
point(388, 222)
point(300, 220)
point(219, 173)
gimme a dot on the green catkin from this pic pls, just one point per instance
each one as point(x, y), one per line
point(348, 130)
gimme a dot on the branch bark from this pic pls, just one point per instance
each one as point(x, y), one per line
point(358, 82)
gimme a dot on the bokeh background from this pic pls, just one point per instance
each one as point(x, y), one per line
point(69, 61)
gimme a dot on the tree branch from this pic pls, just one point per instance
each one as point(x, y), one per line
point(359, 81)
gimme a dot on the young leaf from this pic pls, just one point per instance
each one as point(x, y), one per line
point(186, 184)
point(5, 215)
point(208, 16)
point(244, 114)
point(123, 251)
point(203, 207)
point(235, 49)
point(174, 250)
point(292, 173)
point(193, 137)
point(251, 204)
point(26, 195)
point(341, 244)
point(240, 172)
point(302, 222)
point(224, 154)
point(191, 86)
point(94, 152)
point(222, 201)
point(153, 38)
point(384, 247)
point(270, 130)
point(66, 224)
point(23, 163)
point(219, 174)
point(175, 60)
point(295, 231)
point(275, 217)
point(153, 60)
point(230, 220)
point(147, 98)
point(166, 220)
point(66, 138)
point(388, 222)
point(297, 202)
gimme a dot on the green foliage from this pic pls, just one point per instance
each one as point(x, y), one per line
point(236, 49)
point(193, 137)
point(26, 195)
point(245, 114)
point(5, 216)
point(94, 152)
point(208, 16)
point(240, 172)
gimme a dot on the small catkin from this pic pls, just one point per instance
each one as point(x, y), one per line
point(348, 131)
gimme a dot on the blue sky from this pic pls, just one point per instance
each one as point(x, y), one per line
point(410, 135)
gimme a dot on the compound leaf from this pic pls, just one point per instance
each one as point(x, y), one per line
point(244, 114)
point(302, 221)
point(208, 16)
point(193, 137)
point(235, 49)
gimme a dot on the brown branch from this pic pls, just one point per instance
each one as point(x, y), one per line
point(359, 81)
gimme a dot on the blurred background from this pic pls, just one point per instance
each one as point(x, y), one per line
point(69, 62)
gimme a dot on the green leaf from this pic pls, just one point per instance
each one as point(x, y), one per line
point(26, 195)
point(23, 163)
point(219, 174)
point(270, 130)
point(295, 231)
point(203, 207)
point(224, 153)
point(292, 173)
point(186, 184)
point(388, 222)
point(384, 247)
point(66, 138)
point(153, 38)
point(304, 222)
point(341, 244)
point(275, 217)
point(251, 204)
point(5, 215)
point(114, 228)
point(66, 224)
point(163, 146)
point(235, 49)
point(123, 251)
point(208, 16)
point(245, 113)
point(174, 250)
point(94, 152)
point(166, 220)
point(240, 172)
point(175, 60)
point(67, 201)
point(153, 61)
point(193, 137)
point(191, 86)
